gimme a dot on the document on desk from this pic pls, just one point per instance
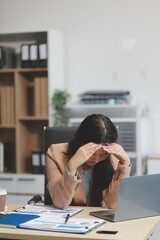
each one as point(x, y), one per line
point(47, 210)
point(73, 225)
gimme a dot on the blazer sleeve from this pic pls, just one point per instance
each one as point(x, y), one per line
point(61, 185)
point(111, 193)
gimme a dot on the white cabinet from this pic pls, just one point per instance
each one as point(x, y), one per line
point(131, 122)
point(153, 164)
point(21, 187)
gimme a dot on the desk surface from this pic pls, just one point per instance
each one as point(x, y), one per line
point(139, 229)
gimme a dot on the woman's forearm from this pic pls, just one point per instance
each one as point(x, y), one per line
point(62, 190)
point(111, 193)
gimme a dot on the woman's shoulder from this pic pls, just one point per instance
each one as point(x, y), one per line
point(58, 147)
point(56, 156)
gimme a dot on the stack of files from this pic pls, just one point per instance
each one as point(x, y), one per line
point(34, 55)
point(49, 219)
point(41, 96)
point(105, 97)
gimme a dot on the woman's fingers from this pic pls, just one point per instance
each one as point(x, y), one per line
point(90, 148)
point(118, 151)
point(85, 152)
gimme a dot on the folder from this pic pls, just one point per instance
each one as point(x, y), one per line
point(1, 157)
point(8, 157)
point(13, 220)
point(25, 56)
point(33, 53)
point(7, 57)
point(2, 57)
point(38, 161)
point(42, 48)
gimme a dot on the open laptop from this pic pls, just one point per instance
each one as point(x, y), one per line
point(138, 197)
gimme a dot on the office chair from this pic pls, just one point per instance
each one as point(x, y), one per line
point(55, 135)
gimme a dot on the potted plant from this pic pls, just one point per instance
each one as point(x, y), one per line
point(61, 113)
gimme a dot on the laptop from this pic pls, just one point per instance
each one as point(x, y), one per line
point(138, 197)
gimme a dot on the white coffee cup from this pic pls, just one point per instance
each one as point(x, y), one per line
point(3, 194)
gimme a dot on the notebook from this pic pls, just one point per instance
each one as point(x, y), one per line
point(138, 197)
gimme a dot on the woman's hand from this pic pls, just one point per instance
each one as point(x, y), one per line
point(81, 156)
point(118, 151)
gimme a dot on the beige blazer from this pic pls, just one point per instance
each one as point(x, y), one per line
point(64, 190)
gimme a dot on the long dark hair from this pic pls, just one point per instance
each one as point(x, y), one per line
point(95, 128)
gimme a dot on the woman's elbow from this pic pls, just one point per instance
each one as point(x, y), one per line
point(59, 203)
point(111, 205)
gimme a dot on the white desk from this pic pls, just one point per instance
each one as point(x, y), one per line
point(139, 229)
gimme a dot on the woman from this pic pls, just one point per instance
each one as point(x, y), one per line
point(88, 169)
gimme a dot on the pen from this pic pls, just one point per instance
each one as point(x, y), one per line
point(18, 209)
point(66, 219)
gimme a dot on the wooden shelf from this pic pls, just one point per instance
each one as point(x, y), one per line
point(23, 106)
point(25, 96)
point(6, 126)
point(13, 70)
point(33, 118)
point(32, 69)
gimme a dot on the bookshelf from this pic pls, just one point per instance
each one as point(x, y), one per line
point(25, 98)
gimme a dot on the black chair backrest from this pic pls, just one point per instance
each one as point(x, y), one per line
point(55, 135)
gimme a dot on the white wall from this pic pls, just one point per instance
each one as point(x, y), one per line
point(109, 44)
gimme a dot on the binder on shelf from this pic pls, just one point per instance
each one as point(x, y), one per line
point(1, 157)
point(38, 161)
point(42, 48)
point(6, 157)
point(7, 57)
point(33, 53)
point(25, 56)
